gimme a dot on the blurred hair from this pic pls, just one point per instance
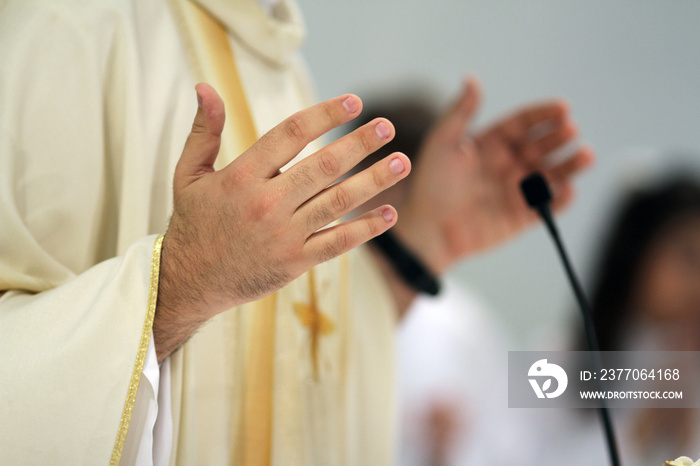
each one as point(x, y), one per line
point(412, 117)
point(643, 215)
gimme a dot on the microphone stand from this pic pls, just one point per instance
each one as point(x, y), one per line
point(538, 196)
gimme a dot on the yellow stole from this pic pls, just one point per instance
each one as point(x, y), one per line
point(211, 56)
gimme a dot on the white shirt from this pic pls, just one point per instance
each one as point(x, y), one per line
point(152, 417)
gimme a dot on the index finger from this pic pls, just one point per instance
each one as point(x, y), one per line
point(516, 126)
point(282, 143)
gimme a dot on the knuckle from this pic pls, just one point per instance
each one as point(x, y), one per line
point(340, 199)
point(342, 240)
point(377, 178)
point(295, 128)
point(366, 142)
point(328, 113)
point(291, 256)
point(328, 164)
point(198, 127)
point(237, 176)
point(320, 216)
point(262, 207)
point(329, 251)
point(373, 228)
point(268, 142)
point(335, 247)
point(300, 176)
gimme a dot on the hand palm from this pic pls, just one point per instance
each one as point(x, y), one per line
point(467, 188)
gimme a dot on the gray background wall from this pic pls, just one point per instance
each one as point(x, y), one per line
point(630, 69)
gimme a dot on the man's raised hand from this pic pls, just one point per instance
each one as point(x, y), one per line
point(245, 231)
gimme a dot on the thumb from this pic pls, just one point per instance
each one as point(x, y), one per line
point(454, 122)
point(204, 140)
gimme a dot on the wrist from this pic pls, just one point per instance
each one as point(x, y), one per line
point(180, 308)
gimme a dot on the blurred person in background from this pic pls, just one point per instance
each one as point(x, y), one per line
point(449, 347)
point(646, 297)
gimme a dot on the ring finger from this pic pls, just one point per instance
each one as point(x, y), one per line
point(339, 199)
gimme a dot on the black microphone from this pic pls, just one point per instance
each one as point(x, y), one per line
point(538, 196)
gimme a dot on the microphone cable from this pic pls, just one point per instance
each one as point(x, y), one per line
point(538, 196)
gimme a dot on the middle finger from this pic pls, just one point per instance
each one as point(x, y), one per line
point(339, 199)
point(316, 172)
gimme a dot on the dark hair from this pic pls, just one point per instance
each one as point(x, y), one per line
point(412, 117)
point(642, 216)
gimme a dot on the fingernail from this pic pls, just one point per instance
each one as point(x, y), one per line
point(350, 104)
point(383, 130)
point(388, 215)
point(199, 100)
point(397, 166)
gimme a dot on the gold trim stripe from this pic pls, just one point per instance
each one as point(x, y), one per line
point(140, 356)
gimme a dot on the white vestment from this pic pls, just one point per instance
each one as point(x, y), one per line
point(452, 354)
point(96, 100)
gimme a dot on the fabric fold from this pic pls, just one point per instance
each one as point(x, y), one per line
point(68, 360)
point(275, 37)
